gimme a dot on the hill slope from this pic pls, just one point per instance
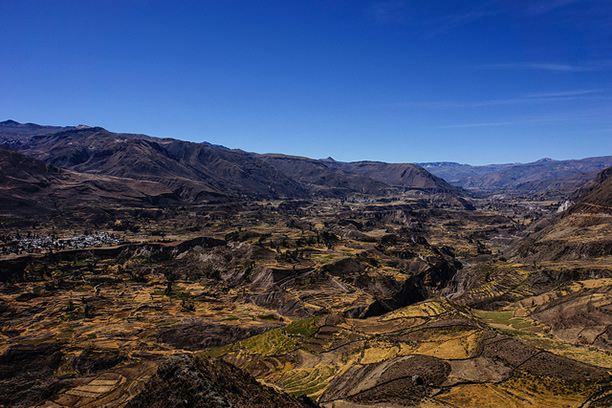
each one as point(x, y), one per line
point(30, 186)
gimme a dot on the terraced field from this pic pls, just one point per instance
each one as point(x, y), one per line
point(389, 360)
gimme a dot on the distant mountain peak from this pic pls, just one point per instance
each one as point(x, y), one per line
point(81, 129)
point(9, 122)
point(329, 159)
point(439, 164)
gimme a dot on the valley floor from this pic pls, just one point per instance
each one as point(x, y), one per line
point(410, 301)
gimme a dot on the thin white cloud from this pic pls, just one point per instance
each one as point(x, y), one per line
point(546, 6)
point(398, 11)
point(551, 66)
point(480, 11)
point(564, 94)
point(478, 124)
point(388, 11)
point(454, 21)
point(561, 96)
point(517, 122)
point(582, 117)
point(461, 104)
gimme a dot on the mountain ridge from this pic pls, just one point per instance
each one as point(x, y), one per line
point(196, 171)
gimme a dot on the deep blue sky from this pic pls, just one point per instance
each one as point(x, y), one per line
point(399, 80)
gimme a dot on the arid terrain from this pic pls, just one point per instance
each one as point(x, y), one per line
point(145, 272)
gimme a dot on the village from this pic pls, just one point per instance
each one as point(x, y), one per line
point(18, 244)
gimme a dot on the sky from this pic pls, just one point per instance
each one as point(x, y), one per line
point(479, 81)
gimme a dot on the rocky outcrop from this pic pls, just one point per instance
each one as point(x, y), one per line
point(198, 382)
point(420, 286)
point(27, 374)
point(582, 231)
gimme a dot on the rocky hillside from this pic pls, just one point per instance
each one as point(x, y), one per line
point(193, 171)
point(186, 381)
point(365, 177)
point(30, 186)
point(583, 230)
point(404, 175)
point(596, 197)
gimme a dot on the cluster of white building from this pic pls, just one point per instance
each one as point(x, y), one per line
point(37, 244)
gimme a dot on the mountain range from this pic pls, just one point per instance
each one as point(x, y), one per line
point(128, 167)
point(203, 171)
point(545, 177)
